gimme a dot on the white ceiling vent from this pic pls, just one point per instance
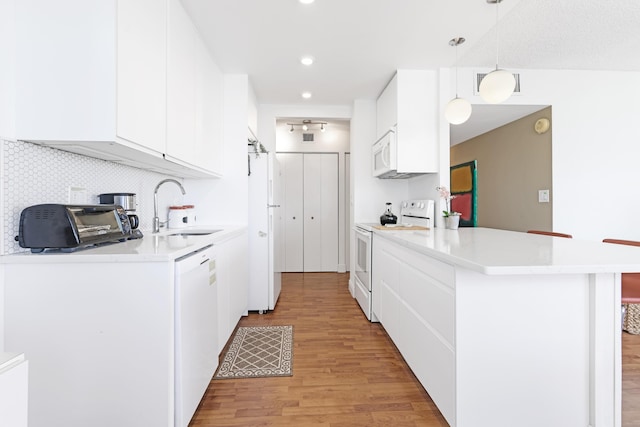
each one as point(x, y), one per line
point(480, 76)
point(307, 137)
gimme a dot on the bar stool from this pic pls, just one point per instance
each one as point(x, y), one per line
point(550, 233)
point(630, 281)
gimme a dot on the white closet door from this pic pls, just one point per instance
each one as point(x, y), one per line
point(321, 212)
point(291, 167)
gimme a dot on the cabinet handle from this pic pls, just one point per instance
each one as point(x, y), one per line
point(311, 217)
point(294, 217)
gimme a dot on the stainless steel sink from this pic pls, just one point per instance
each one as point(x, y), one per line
point(194, 233)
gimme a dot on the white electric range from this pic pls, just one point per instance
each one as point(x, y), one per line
point(418, 212)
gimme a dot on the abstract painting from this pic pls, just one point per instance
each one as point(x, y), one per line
point(464, 188)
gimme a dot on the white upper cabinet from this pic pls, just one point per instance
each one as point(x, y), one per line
point(194, 96)
point(92, 78)
point(141, 78)
point(181, 87)
point(209, 110)
point(410, 102)
point(387, 108)
point(91, 71)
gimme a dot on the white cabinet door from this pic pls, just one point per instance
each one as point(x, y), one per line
point(209, 104)
point(233, 285)
point(194, 96)
point(14, 393)
point(321, 212)
point(141, 72)
point(291, 167)
point(414, 299)
point(387, 108)
point(409, 102)
point(65, 70)
point(417, 116)
point(93, 72)
point(181, 84)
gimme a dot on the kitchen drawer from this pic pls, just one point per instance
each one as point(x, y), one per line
point(430, 300)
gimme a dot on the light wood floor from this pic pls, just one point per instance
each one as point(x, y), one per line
point(346, 371)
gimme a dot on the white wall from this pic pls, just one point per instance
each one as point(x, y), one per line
point(595, 146)
point(269, 113)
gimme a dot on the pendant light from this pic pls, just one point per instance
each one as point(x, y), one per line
point(458, 110)
point(498, 85)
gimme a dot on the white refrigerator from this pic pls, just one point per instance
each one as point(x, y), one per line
point(264, 229)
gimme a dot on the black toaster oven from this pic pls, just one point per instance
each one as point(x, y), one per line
point(69, 227)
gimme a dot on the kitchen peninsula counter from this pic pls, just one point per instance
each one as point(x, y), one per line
point(506, 328)
point(499, 252)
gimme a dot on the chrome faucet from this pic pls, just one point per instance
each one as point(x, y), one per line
point(156, 220)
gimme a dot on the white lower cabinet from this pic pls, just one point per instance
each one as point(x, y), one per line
point(14, 373)
point(100, 336)
point(233, 285)
point(413, 297)
point(501, 350)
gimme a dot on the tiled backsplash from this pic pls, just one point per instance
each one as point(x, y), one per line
point(33, 174)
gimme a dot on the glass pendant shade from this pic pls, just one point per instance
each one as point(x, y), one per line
point(457, 111)
point(497, 86)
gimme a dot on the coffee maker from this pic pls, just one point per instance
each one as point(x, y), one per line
point(129, 204)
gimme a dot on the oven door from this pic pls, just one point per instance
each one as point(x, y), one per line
point(363, 257)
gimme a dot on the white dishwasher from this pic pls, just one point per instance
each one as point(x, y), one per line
point(196, 330)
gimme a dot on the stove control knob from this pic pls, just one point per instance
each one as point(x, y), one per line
point(421, 205)
point(404, 204)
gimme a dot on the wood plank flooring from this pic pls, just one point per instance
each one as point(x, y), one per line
point(346, 370)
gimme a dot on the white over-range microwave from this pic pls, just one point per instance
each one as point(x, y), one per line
point(384, 155)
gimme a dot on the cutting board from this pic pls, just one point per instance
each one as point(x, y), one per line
point(400, 227)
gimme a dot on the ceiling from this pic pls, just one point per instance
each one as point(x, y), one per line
point(358, 44)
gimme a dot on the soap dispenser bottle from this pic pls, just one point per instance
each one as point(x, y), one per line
point(388, 217)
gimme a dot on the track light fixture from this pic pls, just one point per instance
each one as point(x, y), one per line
point(306, 124)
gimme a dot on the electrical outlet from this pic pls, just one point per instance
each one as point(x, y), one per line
point(543, 196)
point(77, 196)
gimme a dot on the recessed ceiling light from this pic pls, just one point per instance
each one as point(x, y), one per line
point(306, 95)
point(306, 60)
point(306, 1)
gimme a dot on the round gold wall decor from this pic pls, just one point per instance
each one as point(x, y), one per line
point(542, 125)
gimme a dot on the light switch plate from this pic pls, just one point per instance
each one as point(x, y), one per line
point(543, 196)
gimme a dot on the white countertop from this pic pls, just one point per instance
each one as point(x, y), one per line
point(492, 251)
point(160, 247)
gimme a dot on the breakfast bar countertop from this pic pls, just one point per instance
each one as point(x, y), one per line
point(501, 252)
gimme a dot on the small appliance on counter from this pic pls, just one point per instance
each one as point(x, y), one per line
point(388, 217)
point(178, 217)
point(129, 204)
point(70, 227)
